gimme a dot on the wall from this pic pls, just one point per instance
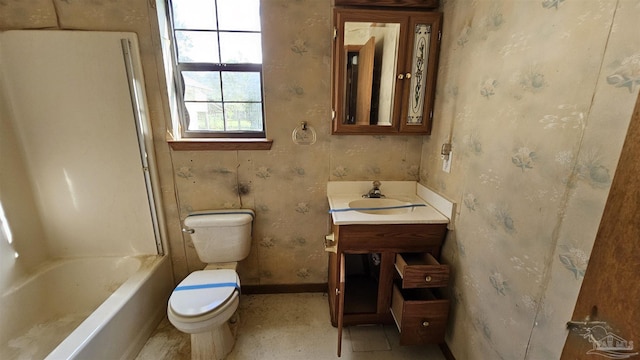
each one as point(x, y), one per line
point(287, 185)
point(536, 97)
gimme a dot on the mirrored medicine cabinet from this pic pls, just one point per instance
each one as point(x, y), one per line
point(384, 70)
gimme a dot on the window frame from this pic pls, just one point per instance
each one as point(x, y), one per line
point(196, 139)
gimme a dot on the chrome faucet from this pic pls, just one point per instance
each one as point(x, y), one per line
point(375, 192)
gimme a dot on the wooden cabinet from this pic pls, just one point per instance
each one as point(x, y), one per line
point(384, 70)
point(421, 4)
point(381, 274)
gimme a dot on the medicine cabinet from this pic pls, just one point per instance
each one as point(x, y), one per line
point(384, 70)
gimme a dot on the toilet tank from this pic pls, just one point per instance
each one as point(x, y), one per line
point(221, 235)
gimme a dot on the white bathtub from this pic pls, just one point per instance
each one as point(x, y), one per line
point(85, 308)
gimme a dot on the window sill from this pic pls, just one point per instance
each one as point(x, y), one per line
point(220, 144)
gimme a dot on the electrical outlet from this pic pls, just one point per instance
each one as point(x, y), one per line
point(446, 162)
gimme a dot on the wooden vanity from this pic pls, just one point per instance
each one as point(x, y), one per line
point(384, 265)
point(382, 273)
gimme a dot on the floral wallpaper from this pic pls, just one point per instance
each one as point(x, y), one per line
point(535, 96)
point(286, 186)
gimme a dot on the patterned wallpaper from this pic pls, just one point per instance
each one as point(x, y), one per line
point(287, 185)
point(535, 95)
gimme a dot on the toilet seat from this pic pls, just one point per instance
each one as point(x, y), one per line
point(204, 291)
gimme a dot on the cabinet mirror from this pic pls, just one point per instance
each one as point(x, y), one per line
point(370, 51)
point(383, 74)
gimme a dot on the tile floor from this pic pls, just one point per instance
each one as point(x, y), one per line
point(291, 326)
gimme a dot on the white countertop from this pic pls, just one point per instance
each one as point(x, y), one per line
point(341, 193)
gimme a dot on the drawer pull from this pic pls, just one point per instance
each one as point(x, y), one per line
point(428, 278)
point(425, 324)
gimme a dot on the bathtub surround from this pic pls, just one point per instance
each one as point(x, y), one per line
point(16, 257)
point(534, 95)
point(72, 114)
point(76, 128)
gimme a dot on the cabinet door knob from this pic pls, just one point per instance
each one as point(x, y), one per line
point(408, 76)
point(428, 278)
point(400, 76)
point(425, 324)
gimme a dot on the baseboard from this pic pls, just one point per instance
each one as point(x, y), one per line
point(446, 351)
point(283, 288)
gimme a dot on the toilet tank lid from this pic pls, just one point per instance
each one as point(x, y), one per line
point(227, 217)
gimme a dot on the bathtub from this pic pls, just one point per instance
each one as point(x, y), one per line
point(85, 308)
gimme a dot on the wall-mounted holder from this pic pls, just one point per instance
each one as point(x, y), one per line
point(303, 134)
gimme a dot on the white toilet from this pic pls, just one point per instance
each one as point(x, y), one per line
point(204, 302)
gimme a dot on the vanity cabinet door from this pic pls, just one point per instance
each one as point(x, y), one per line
point(419, 83)
point(421, 270)
point(340, 300)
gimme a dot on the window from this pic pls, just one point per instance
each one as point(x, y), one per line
point(218, 68)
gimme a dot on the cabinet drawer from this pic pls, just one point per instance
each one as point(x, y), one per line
point(421, 270)
point(420, 315)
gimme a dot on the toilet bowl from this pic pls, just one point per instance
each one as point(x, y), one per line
point(206, 301)
point(203, 300)
point(202, 305)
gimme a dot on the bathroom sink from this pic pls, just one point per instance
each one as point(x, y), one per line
point(404, 202)
point(380, 206)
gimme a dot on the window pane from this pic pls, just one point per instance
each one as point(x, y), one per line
point(239, 15)
point(194, 14)
point(202, 86)
point(241, 86)
point(219, 51)
point(197, 46)
point(205, 116)
point(243, 116)
point(240, 48)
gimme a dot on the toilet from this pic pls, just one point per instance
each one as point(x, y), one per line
point(205, 302)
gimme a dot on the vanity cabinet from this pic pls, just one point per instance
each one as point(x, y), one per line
point(384, 70)
point(381, 274)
